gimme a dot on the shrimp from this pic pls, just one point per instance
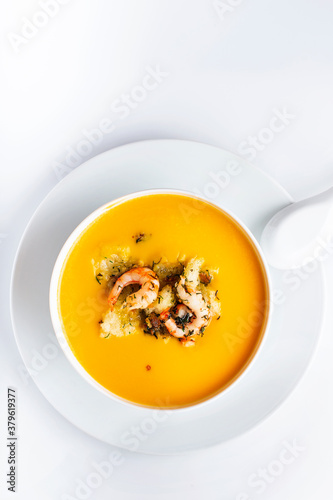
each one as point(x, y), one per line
point(176, 327)
point(141, 299)
point(193, 314)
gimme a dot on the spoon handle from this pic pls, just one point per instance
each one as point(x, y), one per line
point(323, 198)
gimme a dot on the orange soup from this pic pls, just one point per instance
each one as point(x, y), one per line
point(141, 368)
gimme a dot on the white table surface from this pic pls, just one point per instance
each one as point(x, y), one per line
point(224, 77)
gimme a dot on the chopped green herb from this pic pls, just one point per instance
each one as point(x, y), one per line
point(141, 237)
point(202, 329)
point(155, 263)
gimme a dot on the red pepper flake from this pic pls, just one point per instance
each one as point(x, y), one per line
point(205, 277)
point(148, 367)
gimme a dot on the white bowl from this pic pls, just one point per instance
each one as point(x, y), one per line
point(54, 298)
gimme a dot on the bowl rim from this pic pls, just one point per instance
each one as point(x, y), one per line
point(55, 310)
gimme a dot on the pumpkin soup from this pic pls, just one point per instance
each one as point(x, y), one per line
point(163, 300)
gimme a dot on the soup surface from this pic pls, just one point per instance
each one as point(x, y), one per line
point(138, 367)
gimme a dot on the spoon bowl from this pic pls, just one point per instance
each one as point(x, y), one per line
point(295, 235)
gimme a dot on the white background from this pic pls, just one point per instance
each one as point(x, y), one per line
point(227, 74)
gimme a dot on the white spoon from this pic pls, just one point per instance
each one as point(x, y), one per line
point(300, 233)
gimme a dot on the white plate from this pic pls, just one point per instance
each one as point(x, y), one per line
point(245, 191)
